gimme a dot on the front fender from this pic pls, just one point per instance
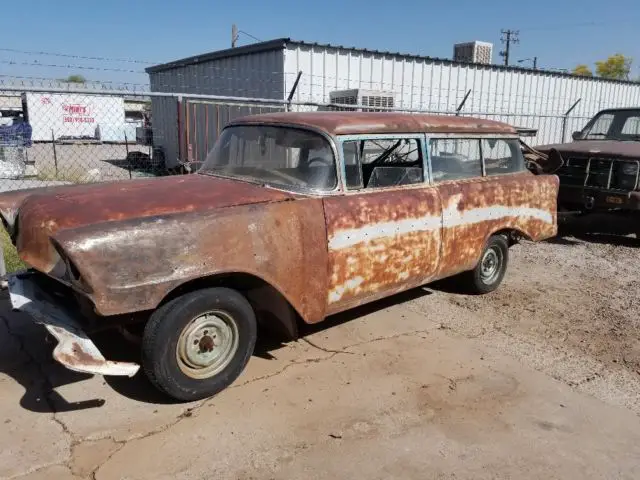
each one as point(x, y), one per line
point(132, 265)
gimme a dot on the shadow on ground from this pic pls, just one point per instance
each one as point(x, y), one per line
point(32, 366)
point(40, 375)
point(610, 229)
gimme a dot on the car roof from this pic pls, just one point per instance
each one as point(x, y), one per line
point(354, 123)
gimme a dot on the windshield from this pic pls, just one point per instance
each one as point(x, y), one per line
point(614, 125)
point(282, 156)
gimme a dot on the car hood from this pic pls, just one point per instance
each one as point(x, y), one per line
point(616, 148)
point(38, 214)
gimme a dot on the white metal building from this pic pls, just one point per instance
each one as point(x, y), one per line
point(523, 97)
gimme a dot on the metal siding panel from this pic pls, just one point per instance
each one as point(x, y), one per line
point(342, 72)
point(410, 72)
point(165, 132)
point(317, 76)
point(355, 70)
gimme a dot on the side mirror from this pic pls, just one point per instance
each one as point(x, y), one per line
point(577, 135)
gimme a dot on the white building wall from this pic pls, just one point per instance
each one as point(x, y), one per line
point(521, 97)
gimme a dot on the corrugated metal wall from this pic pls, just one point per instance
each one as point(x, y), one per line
point(258, 75)
point(164, 121)
point(522, 98)
point(252, 75)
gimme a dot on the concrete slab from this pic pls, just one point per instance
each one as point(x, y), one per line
point(404, 407)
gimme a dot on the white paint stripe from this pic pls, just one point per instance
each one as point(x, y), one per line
point(352, 236)
point(452, 217)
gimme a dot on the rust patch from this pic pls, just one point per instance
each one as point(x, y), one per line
point(132, 265)
point(78, 357)
point(389, 241)
point(380, 240)
point(523, 202)
point(43, 212)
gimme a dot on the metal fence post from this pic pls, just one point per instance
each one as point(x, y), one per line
point(293, 91)
point(464, 100)
point(55, 154)
point(565, 118)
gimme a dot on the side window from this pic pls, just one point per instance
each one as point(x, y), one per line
point(382, 163)
point(631, 126)
point(353, 172)
point(601, 126)
point(502, 156)
point(455, 158)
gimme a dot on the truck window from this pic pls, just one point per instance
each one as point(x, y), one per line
point(502, 156)
point(455, 159)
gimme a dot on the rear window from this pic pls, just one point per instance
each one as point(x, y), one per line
point(502, 156)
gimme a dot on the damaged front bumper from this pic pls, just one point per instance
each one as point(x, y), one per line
point(75, 350)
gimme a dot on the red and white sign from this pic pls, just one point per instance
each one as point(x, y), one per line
point(75, 116)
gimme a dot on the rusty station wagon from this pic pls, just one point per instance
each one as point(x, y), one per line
point(292, 217)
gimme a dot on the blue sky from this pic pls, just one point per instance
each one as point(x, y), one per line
point(561, 33)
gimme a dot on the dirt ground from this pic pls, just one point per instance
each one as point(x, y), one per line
point(540, 379)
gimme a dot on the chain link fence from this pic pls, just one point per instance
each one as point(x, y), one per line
point(55, 136)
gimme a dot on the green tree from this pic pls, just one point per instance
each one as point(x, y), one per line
point(75, 79)
point(583, 70)
point(616, 67)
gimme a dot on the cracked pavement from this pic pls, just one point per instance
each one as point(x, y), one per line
point(427, 384)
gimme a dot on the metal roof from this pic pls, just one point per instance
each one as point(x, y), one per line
point(281, 43)
point(355, 123)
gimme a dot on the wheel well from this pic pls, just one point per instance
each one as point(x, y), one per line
point(513, 235)
point(272, 309)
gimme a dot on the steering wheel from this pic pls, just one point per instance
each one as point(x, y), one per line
point(320, 160)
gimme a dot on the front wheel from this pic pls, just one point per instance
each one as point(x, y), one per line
point(491, 268)
point(198, 344)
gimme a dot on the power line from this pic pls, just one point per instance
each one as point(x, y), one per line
point(67, 55)
point(567, 26)
point(249, 35)
point(508, 37)
point(235, 33)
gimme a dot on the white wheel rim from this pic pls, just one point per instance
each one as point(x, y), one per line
point(207, 344)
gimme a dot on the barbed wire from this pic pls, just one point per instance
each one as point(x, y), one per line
point(75, 67)
point(87, 83)
point(82, 57)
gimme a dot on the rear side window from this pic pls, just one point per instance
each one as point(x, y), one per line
point(502, 156)
point(455, 159)
point(382, 163)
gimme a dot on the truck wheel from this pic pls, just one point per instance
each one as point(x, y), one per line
point(198, 344)
point(491, 268)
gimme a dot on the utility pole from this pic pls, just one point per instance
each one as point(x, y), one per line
point(234, 35)
point(535, 63)
point(508, 37)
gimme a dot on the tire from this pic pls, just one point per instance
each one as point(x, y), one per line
point(483, 279)
point(198, 344)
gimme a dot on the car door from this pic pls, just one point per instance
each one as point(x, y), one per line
point(456, 170)
point(485, 188)
point(384, 231)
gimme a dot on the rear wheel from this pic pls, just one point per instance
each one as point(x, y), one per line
point(198, 344)
point(491, 268)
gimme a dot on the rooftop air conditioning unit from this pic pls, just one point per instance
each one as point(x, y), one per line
point(367, 98)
